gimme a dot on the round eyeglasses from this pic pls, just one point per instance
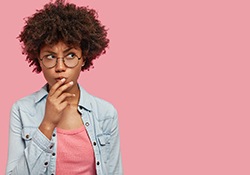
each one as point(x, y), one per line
point(71, 60)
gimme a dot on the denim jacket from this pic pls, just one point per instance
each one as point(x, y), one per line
point(32, 153)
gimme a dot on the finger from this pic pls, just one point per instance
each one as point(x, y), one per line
point(63, 96)
point(62, 88)
point(56, 86)
point(64, 105)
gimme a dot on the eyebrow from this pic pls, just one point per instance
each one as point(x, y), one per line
point(65, 51)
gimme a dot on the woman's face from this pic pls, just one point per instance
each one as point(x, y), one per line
point(60, 70)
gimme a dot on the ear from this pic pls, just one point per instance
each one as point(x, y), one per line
point(83, 63)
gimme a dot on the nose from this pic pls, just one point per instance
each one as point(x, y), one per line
point(60, 66)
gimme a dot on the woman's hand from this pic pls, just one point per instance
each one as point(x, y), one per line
point(56, 103)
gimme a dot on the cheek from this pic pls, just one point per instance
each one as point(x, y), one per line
point(48, 77)
point(77, 73)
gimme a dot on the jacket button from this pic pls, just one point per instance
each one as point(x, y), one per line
point(54, 135)
point(27, 136)
point(94, 143)
point(97, 163)
point(87, 123)
point(46, 163)
point(53, 154)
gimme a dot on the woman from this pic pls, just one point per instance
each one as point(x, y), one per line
point(61, 129)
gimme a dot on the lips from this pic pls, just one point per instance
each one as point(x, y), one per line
point(59, 78)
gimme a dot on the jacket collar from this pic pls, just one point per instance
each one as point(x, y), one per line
point(84, 101)
point(42, 93)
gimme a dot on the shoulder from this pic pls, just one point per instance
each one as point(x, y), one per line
point(25, 102)
point(98, 106)
point(28, 103)
point(104, 114)
point(103, 106)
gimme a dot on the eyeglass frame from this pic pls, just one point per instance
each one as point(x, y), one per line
point(57, 58)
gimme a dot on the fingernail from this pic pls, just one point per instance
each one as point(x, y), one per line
point(63, 79)
point(71, 82)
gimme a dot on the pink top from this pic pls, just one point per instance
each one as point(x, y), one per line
point(75, 155)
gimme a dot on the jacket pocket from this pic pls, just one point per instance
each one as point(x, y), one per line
point(104, 142)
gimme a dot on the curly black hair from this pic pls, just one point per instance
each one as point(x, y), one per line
point(61, 21)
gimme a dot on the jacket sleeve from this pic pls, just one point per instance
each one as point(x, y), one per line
point(29, 150)
point(115, 161)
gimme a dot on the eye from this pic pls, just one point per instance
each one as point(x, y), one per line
point(70, 56)
point(49, 57)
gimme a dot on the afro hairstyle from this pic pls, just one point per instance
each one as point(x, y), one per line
point(61, 21)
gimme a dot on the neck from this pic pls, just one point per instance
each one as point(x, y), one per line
point(74, 90)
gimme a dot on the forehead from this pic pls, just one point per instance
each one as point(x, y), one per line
point(59, 46)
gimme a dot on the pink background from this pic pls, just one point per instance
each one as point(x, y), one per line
point(177, 71)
